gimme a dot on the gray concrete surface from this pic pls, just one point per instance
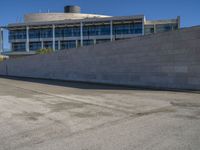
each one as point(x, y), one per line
point(55, 115)
point(163, 60)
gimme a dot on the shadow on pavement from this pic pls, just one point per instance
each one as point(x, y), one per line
point(89, 85)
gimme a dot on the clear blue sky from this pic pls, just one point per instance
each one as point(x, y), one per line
point(189, 10)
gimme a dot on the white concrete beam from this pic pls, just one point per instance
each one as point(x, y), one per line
point(111, 30)
point(42, 44)
point(76, 43)
point(27, 39)
point(1, 40)
point(154, 26)
point(179, 22)
point(59, 46)
point(54, 42)
point(143, 25)
point(81, 33)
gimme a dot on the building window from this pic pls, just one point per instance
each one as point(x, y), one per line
point(175, 27)
point(95, 30)
point(34, 46)
point(17, 35)
point(46, 33)
point(56, 45)
point(149, 29)
point(131, 28)
point(19, 46)
point(59, 32)
point(67, 32)
point(164, 27)
point(88, 42)
point(34, 34)
point(48, 44)
point(104, 30)
point(68, 44)
point(99, 41)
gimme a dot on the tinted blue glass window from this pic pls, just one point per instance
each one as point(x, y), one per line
point(175, 27)
point(34, 34)
point(17, 35)
point(19, 46)
point(68, 44)
point(56, 45)
point(67, 32)
point(59, 32)
point(34, 46)
point(96, 30)
point(76, 32)
point(88, 42)
point(168, 27)
point(134, 28)
point(165, 27)
point(102, 41)
point(46, 33)
point(48, 44)
point(104, 30)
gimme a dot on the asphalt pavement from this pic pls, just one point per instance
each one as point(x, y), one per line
point(56, 115)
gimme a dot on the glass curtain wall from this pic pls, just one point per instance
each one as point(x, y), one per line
point(19, 46)
point(129, 28)
point(34, 34)
point(88, 30)
point(34, 46)
point(48, 44)
point(88, 42)
point(149, 29)
point(46, 33)
point(68, 44)
point(67, 32)
point(96, 30)
point(166, 27)
point(17, 35)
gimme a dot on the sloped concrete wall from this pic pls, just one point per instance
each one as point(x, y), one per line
point(164, 60)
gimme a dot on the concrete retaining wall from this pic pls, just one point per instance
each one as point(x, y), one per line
point(164, 60)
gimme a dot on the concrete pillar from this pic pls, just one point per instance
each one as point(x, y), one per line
point(1, 40)
point(76, 43)
point(42, 44)
point(59, 46)
point(54, 42)
point(143, 25)
point(179, 22)
point(111, 30)
point(27, 39)
point(154, 26)
point(95, 41)
point(81, 33)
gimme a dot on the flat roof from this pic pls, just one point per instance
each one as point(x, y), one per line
point(75, 21)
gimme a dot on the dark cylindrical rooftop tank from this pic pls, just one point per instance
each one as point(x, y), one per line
point(72, 9)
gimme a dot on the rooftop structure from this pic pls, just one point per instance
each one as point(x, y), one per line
point(73, 29)
point(70, 13)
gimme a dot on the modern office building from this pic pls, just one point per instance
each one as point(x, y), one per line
point(73, 29)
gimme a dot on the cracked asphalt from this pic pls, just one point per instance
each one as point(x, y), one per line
point(55, 115)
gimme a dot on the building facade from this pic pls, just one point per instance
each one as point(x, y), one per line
point(72, 29)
